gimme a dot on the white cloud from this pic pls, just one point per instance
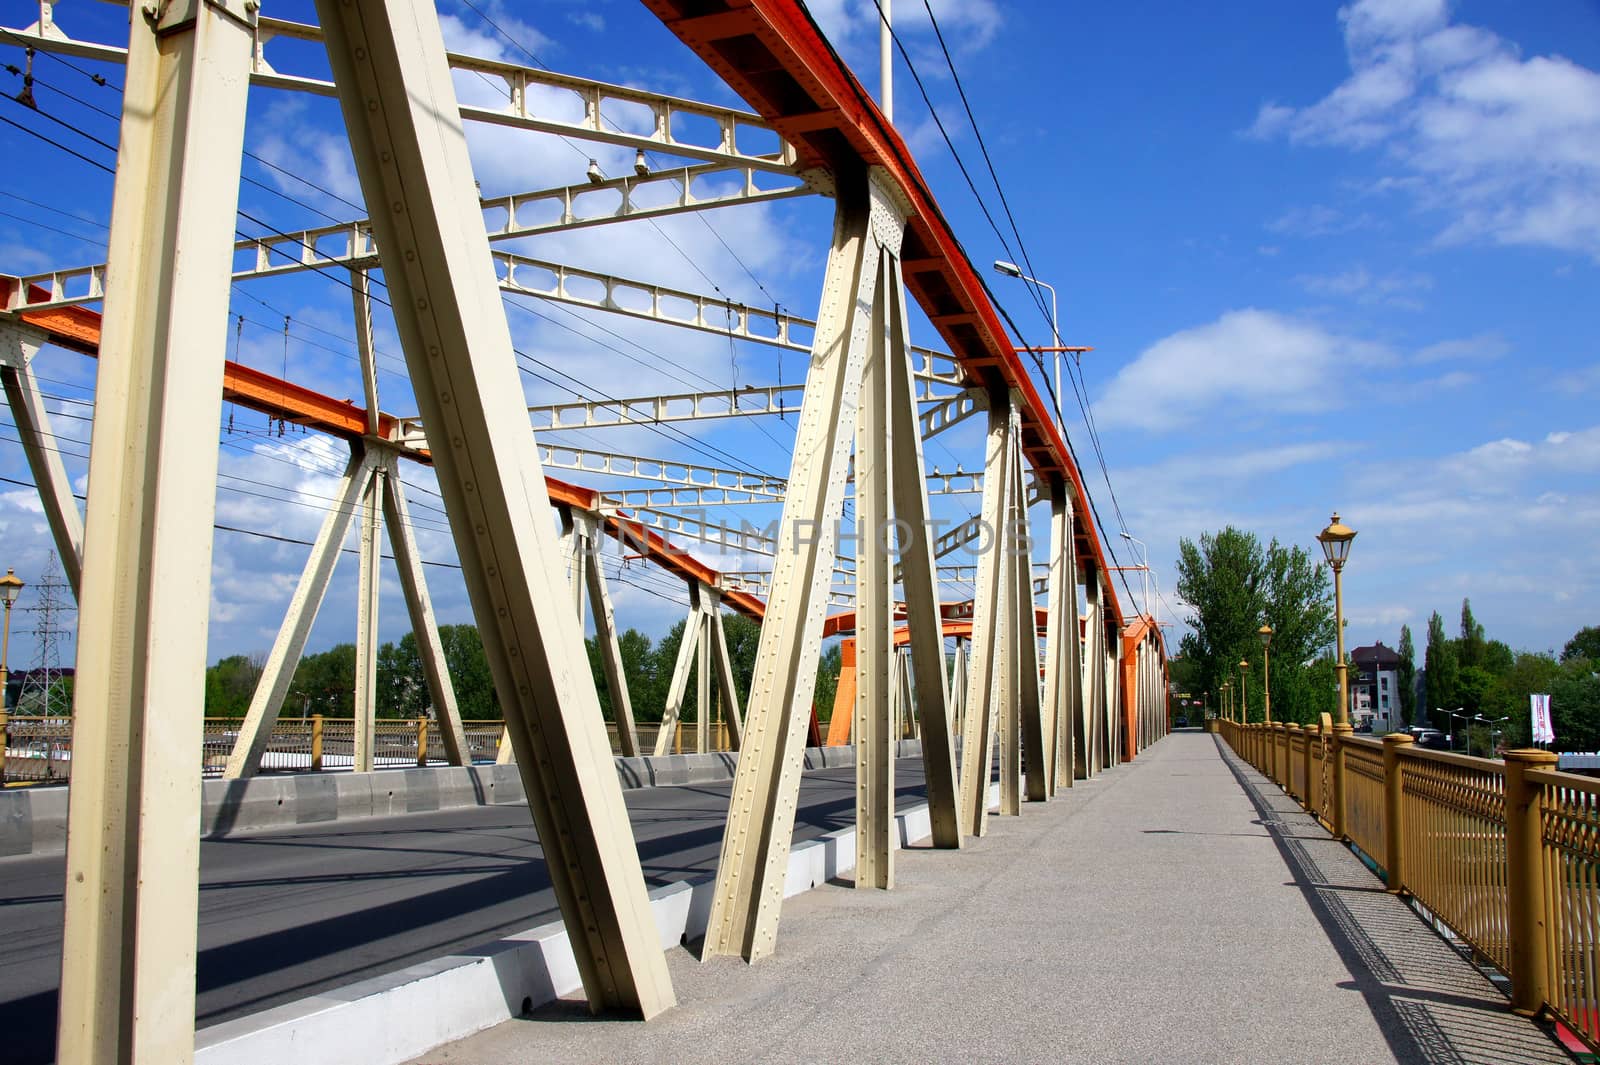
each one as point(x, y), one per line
point(853, 24)
point(1508, 147)
point(1586, 379)
point(1248, 359)
point(1317, 220)
point(1486, 347)
point(1399, 289)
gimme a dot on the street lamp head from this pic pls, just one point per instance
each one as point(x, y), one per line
point(10, 587)
point(1009, 269)
point(1335, 541)
point(1243, 665)
point(1265, 633)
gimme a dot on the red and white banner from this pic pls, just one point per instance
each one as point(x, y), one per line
point(1543, 732)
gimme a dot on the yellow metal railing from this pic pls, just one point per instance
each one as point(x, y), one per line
point(1569, 809)
point(39, 749)
point(1504, 854)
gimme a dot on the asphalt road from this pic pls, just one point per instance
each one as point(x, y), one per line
point(287, 913)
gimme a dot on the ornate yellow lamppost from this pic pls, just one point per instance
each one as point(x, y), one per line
point(1335, 541)
point(1265, 633)
point(1244, 692)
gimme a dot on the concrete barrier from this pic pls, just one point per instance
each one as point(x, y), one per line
point(395, 1017)
point(34, 820)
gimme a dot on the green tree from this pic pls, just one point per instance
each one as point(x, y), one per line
point(1497, 657)
point(1471, 645)
point(1472, 688)
point(403, 686)
point(231, 684)
point(1406, 676)
point(1441, 671)
point(1234, 584)
point(1585, 643)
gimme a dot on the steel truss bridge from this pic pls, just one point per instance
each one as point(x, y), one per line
point(137, 557)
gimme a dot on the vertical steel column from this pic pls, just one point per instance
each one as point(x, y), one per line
point(958, 692)
point(133, 828)
point(414, 587)
point(1113, 716)
point(1094, 673)
point(1055, 744)
point(366, 687)
point(725, 680)
point(399, 104)
point(32, 420)
point(245, 758)
point(919, 580)
point(679, 685)
point(605, 636)
point(875, 657)
point(1036, 742)
point(1008, 677)
point(988, 622)
point(702, 685)
point(755, 845)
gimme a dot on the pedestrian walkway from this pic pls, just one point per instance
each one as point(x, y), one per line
point(1178, 908)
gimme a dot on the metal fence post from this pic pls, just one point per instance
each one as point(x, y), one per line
point(1313, 735)
point(1341, 732)
point(1394, 745)
point(422, 742)
point(316, 742)
point(1525, 882)
point(1290, 731)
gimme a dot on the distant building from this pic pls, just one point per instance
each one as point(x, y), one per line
point(1375, 687)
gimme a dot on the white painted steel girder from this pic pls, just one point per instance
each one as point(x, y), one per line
point(399, 104)
point(133, 827)
point(748, 894)
point(536, 100)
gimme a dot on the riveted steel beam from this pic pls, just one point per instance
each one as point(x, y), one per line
point(875, 651)
point(918, 580)
point(988, 625)
point(748, 895)
point(395, 90)
point(537, 100)
point(133, 826)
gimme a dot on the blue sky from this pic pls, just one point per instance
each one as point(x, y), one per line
point(1328, 256)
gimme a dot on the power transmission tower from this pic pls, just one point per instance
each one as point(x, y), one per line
point(40, 686)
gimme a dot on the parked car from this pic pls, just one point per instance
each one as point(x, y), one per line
point(1432, 739)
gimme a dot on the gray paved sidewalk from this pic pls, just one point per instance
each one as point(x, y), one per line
point(1174, 909)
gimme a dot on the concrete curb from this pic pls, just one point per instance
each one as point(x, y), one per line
point(395, 1017)
point(34, 820)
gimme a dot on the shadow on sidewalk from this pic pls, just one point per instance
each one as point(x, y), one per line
point(1431, 1004)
